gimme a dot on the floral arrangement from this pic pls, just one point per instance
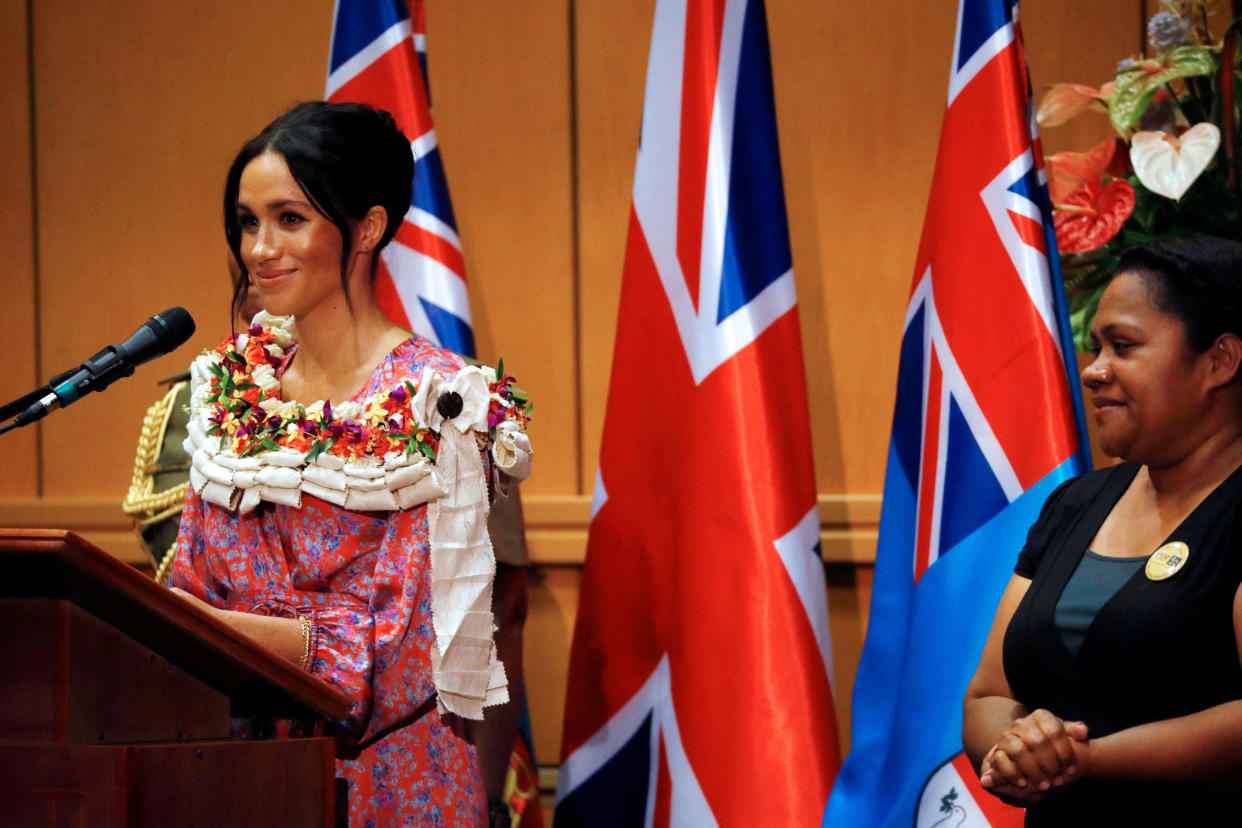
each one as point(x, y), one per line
point(250, 418)
point(1171, 170)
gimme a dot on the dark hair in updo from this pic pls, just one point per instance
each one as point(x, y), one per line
point(1197, 279)
point(346, 157)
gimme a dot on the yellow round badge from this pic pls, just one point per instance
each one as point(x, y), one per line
point(1167, 560)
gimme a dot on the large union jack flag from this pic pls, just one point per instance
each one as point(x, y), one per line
point(377, 57)
point(699, 686)
point(987, 422)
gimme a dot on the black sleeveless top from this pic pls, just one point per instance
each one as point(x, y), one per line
point(1156, 650)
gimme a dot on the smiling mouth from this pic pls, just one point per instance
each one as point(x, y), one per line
point(271, 276)
point(1106, 406)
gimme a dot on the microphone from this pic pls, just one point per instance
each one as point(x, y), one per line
point(159, 335)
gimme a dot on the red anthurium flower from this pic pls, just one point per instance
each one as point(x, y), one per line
point(1066, 170)
point(1092, 214)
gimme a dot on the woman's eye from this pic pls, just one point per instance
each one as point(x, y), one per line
point(290, 219)
point(247, 222)
point(1122, 347)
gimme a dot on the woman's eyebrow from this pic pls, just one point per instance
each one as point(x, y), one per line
point(276, 205)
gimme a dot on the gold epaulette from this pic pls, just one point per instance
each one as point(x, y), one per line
point(142, 502)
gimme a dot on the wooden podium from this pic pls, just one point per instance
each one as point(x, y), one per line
point(116, 698)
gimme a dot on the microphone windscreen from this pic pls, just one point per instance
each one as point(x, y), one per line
point(172, 328)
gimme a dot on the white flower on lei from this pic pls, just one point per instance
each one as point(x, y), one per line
point(282, 326)
point(348, 410)
point(511, 450)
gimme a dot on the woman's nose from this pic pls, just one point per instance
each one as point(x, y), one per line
point(1096, 373)
point(263, 246)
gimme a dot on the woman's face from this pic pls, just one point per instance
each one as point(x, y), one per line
point(1146, 383)
point(291, 250)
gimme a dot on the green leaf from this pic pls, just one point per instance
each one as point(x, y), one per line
point(301, 412)
point(216, 370)
point(1136, 87)
point(400, 435)
point(269, 444)
point(426, 449)
point(214, 430)
point(319, 448)
point(500, 368)
point(242, 386)
point(530, 407)
point(233, 356)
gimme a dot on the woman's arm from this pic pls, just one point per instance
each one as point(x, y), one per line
point(282, 636)
point(1020, 755)
point(1203, 747)
point(989, 708)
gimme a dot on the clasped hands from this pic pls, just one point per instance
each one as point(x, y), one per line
point(1038, 754)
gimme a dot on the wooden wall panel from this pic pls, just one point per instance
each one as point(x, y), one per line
point(17, 288)
point(611, 43)
point(860, 89)
point(501, 90)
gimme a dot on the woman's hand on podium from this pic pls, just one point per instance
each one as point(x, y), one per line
point(282, 636)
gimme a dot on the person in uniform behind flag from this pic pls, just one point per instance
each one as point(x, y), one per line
point(345, 591)
point(1110, 687)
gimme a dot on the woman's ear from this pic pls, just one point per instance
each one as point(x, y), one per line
point(1226, 355)
point(369, 231)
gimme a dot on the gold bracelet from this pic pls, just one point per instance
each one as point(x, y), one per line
point(306, 641)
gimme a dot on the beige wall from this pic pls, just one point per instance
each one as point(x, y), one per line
point(120, 118)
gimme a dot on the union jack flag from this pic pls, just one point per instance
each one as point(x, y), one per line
point(699, 689)
point(987, 422)
point(378, 57)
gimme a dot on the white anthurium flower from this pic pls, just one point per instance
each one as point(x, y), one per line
point(424, 403)
point(470, 385)
point(1168, 164)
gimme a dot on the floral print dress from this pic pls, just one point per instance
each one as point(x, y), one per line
point(364, 580)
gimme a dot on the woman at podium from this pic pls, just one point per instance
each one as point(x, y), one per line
point(342, 469)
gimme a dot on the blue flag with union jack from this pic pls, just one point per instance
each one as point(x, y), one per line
point(988, 421)
point(377, 58)
point(699, 689)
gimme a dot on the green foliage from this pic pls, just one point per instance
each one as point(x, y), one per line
point(1136, 86)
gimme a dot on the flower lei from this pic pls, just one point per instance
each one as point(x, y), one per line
point(250, 418)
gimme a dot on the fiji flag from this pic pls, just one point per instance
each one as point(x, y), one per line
point(699, 684)
point(377, 58)
point(988, 421)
